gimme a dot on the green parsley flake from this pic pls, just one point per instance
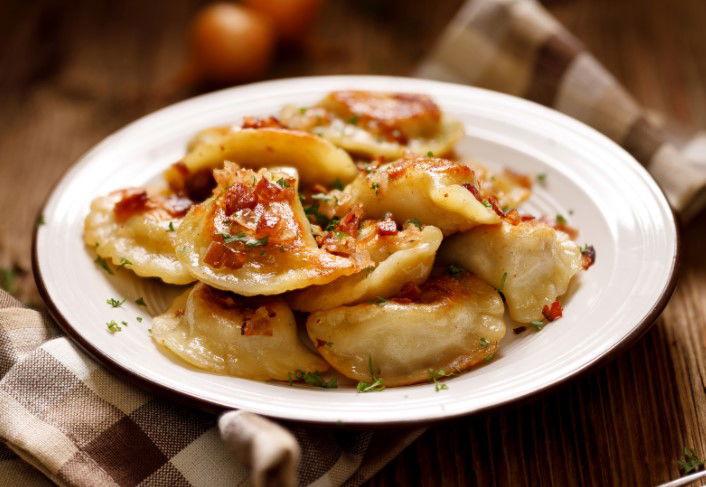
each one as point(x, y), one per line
point(691, 462)
point(489, 357)
point(435, 375)
point(139, 319)
point(353, 120)
point(484, 343)
point(115, 303)
point(430, 154)
point(171, 227)
point(113, 326)
point(332, 224)
point(415, 222)
point(380, 301)
point(369, 269)
point(140, 301)
point(454, 270)
point(337, 184)
point(283, 182)
point(312, 379)
point(487, 204)
point(40, 220)
point(375, 384)
point(124, 262)
point(104, 264)
point(541, 178)
point(303, 110)
point(538, 325)
point(502, 282)
point(340, 234)
point(560, 220)
point(241, 237)
point(375, 187)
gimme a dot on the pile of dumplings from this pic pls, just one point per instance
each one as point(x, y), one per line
point(351, 219)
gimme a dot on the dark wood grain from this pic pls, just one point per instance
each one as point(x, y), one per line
point(71, 75)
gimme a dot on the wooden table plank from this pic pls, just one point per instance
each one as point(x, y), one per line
point(73, 75)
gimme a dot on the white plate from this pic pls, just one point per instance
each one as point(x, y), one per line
point(599, 187)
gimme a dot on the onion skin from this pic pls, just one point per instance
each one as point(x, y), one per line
point(230, 43)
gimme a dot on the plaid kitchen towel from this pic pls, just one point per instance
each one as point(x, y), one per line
point(77, 424)
point(517, 47)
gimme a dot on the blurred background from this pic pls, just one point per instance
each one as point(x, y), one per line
point(73, 72)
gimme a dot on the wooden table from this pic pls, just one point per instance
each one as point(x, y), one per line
point(70, 76)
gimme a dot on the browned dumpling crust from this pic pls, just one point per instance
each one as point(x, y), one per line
point(449, 323)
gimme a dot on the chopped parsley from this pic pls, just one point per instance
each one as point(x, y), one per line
point(340, 234)
point(375, 384)
point(140, 301)
point(333, 224)
point(171, 227)
point(241, 237)
point(313, 210)
point(502, 282)
point(369, 269)
point(104, 264)
point(124, 262)
point(113, 326)
point(337, 184)
point(537, 325)
point(454, 270)
point(40, 220)
point(560, 220)
point(487, 204)
point(691, 462)
point(435, 375)
point(541, 178)
point(415, 222)
point(115, 303)
point(380, 301)
point(312, 379)
point(283, 182)
point(124, 323)
point(375, 187)
point(489, 357)
point(430, 154)
point(303, 110)
point(353, 120)
point(139, 319)
point(484, 343)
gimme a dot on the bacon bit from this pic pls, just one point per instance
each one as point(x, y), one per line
point(588, 257)
point(176, 176)
point(570, 231)
point(496, 208)
point(259, 123)
point(267, 225)
point(519, 329)
point(199, 185)
point(239, 196)
point(179, 312)
point(350, 221)
point(218, 255)
point(177, 206)
point(267, 191)
point(518, 178)
point(513, 217)
point(134, 201)
point(526, 218)
point(258, 323)
point(474, 191)
point(387, 227)
point(554, 312)
point(409, 293)
point(224, 299)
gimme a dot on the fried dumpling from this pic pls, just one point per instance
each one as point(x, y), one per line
point(531, 262)
point(397, 258)
point(136, 229)
point(434, 191)
point(254, 338)
point(252, 236)
point(377, 123)
point(508, 189)
point(317, 160)
point(450, 324)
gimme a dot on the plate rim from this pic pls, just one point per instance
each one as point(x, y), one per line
point(160, 390)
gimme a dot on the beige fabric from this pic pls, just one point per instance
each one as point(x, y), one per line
point(517, 47)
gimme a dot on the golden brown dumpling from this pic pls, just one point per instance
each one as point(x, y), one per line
point(531, 263)
point(252, 237)
point(434, 191)
point(378, 123)
point(397, 258)
point(450, 324)
point(136, 229)
point(254, 338)
point(509, 188)
point(316, 160)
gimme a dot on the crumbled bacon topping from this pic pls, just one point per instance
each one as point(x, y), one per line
point(133, 201)
point(572, 232)
point(351, 221)
point(257, 323)
point(387, 227)
point(259, 123)
point(237, 197)
point(219, 255)
point(588, 257)
point(409, 293)
point(553, 312)
point(267, 191)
